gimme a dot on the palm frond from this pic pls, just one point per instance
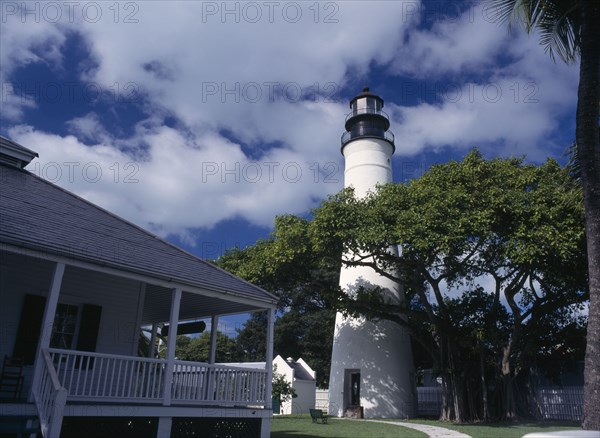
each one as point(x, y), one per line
point(573, 163)
point(558, 21)
point(559, 26)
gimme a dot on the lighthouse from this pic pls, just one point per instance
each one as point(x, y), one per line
point(372, 370)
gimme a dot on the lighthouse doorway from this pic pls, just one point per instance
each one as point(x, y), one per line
point(352, 393)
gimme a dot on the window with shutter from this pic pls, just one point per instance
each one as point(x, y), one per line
point(30, 326)
point(66, 333)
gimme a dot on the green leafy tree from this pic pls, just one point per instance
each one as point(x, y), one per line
point(198, 349)
point(282, 389)
point(465, 226)
point(569, 29)
point(251, 339)
point(306, 282)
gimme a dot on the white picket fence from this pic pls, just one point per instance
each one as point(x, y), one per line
point(552, 403)
point(430, 400)
point(322, 400)
point(564, 403)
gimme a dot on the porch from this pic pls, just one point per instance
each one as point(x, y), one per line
point(75, 384)
point(78, 284)
point(96, 377)
point(115, 380)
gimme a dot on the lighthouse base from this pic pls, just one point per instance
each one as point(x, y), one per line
point(372, 372)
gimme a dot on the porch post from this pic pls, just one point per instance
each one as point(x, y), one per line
point(214, 323)
point(138, 320)
point(164, 427)
point(269, 359)
point(173, 322)
point(47, 323)
point(265, 423)
point(153, 340)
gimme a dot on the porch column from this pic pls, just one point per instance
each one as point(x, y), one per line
point(152, 340)
point(269, 359)
point(173, 322)
point(47, 323)
point(214, 323)
point(138, 320)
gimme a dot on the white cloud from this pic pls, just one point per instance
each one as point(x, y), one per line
point(21, 45)
point(266, 82)
point(182, 184)
point(512, 108)
point(235, 86)
point(456, 44)
point(89, 127)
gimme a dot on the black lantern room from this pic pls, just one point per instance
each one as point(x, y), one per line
point(367, 119)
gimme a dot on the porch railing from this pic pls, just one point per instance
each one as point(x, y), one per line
point(96, 376)
point(50, 398)
point(108, 377)
point(218, 383)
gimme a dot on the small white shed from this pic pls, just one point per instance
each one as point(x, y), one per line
point(304, 381)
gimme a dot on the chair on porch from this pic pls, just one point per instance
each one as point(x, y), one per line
point(11, 379)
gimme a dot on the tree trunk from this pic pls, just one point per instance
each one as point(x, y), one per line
point(484, 401)
point(452, 399)
point(457, 385)
point(509, 411)
point(588, 152)
point(446, 413)
point(453, 387)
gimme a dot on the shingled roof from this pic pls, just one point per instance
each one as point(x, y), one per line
point(38, 215)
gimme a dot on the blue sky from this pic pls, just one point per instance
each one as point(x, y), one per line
point(202, 121)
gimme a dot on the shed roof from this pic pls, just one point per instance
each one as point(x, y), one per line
point(300, 372)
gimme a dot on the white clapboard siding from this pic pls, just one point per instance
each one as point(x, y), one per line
point(14, 286)
point(118, 298)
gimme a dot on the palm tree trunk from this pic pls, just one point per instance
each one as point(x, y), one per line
point(588, 150)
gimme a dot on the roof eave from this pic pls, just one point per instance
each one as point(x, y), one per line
point(15, 150)
point(151, 277)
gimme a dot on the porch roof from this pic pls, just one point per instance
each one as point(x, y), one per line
point(40, 216)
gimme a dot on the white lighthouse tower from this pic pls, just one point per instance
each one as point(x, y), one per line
point(372, 371)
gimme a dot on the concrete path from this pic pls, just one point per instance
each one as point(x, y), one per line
point(432, 431)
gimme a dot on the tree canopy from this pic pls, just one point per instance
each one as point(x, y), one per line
point(306, 282)
point(570, 30)
point(198, 349)
point(491, 258)
point(501, 237)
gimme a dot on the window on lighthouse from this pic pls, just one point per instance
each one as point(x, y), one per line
point(366, 105)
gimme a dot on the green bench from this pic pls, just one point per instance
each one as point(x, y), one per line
point(316, 415)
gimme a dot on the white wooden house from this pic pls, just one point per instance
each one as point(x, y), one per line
point(76, 285)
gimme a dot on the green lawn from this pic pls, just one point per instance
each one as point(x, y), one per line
point(502, 430)
point(301, 426)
